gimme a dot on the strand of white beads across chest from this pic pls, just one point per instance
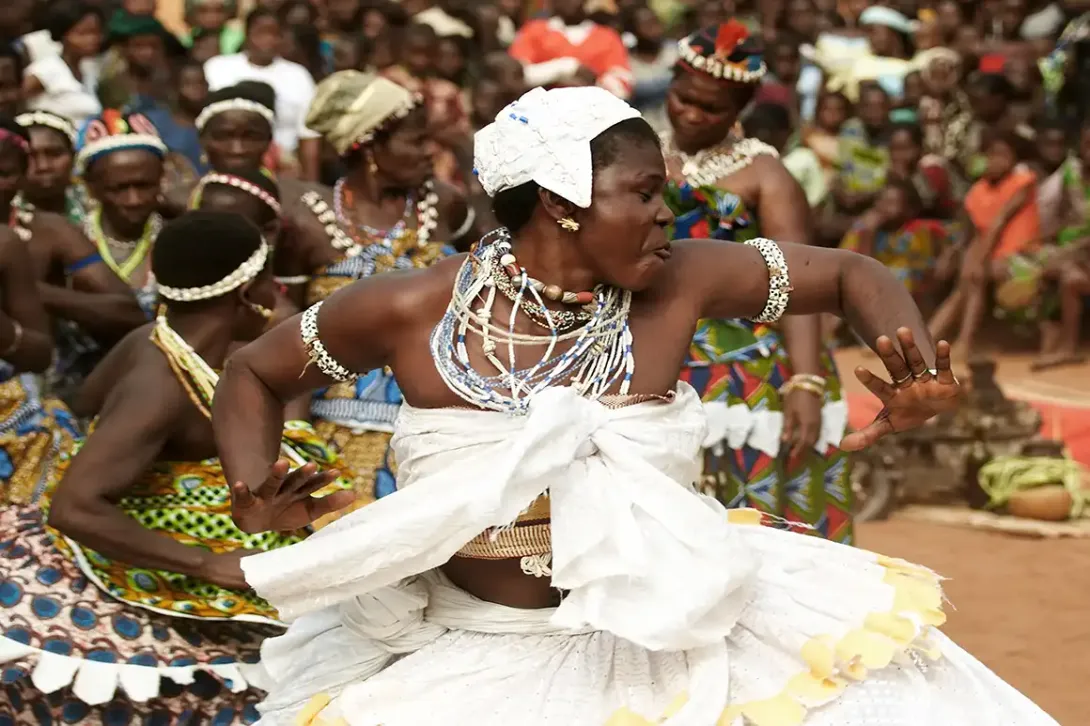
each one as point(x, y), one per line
point(600, 355)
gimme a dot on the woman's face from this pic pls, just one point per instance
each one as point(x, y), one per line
point(374, 23)
point(622, 236)
point(802, 18)
point(10, 92)
point(205, 48)
point(404, 157)
point(702, 110)
point(884, 41)
point(892, 205)
point(450, 63)
point(1001, 160)
point(904, 152)
point(127, 183)
point(192, 88)
point(264, 40)
point(874, 108)
point(210, 15)
point(236, 141)
point(1052, 147)
point(648, 28)
point(784, 61)
point(928, 35)
point(832, 112)
point(913, 90)
point(50, 169)
point(950, 18)
point(84, 39)
point(13, 163)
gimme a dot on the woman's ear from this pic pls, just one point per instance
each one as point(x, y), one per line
point(555, 205)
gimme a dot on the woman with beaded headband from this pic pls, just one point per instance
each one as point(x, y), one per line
point(31, 425)
point(256, 196)
point(773, 398)
point(386, 213)
point(130, 564)
point(90, 307)
point(545, 538)
point(50, 185)
point(120, 159)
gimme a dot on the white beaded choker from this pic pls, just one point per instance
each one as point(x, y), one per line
point(233, 104)
point(243, 273)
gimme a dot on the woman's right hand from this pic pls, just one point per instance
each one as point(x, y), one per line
point(283, 502)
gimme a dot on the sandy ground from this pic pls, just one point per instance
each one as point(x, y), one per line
point(1022, 605)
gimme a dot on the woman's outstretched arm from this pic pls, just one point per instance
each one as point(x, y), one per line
point(732, 281)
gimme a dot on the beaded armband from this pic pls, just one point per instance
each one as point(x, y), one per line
point(326, 363)
point(779, 283)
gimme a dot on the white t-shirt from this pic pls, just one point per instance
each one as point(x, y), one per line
point(293, 85)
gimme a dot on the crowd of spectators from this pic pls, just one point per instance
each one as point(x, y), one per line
point(946, 138)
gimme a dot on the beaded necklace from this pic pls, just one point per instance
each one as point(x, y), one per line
point(708, 166)
point(22, 212)
point(196, 376)
point(511, 279)
point(600, 355)
point(132, 253)
point(427, 217)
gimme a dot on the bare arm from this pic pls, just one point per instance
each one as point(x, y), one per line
point(32, 350)
point(733, 283)
point(131, 432)
point(260, 379)
point(96, 298)
point(785, 214)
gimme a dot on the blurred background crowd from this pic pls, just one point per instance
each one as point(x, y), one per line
point(914, 128)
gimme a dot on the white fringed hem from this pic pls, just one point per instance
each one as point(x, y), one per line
point(96, 683)
point(735, 426)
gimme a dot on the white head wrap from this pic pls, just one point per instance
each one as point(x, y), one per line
point(545, 137)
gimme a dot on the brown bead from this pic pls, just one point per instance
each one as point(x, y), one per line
point(553, 292)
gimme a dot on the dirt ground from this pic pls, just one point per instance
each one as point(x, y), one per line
point(1022, 606)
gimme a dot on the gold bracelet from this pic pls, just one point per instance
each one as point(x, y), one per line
point(807, 386)
point(17, 339)
point(809, 377)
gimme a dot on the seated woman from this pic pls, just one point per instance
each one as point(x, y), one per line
point(939, 187)
point(136, 579)
point(32, 427)
point(893, 233)
point(1002, 209)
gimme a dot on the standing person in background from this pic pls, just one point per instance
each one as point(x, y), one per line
point(772, 396)
point(214, 18)
point(260, 60)
point(66, 83)
point(569, 47)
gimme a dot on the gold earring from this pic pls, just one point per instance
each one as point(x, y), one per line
point(372, 167)
point(261, 310)
point(568, 224)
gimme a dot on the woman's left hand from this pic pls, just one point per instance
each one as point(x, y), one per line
point(801, 420)
point(916, 394)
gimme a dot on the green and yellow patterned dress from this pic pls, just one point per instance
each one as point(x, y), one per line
point(87, 638)
point(738, 367)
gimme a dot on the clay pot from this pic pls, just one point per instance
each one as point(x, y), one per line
point(1051, 503)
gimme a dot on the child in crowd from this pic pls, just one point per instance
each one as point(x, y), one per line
point(1005, 226)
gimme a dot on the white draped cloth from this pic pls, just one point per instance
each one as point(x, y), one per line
point(677, 612)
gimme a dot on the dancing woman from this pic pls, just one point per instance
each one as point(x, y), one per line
point(130, 604)
point(547, 362)
point(775, 409)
